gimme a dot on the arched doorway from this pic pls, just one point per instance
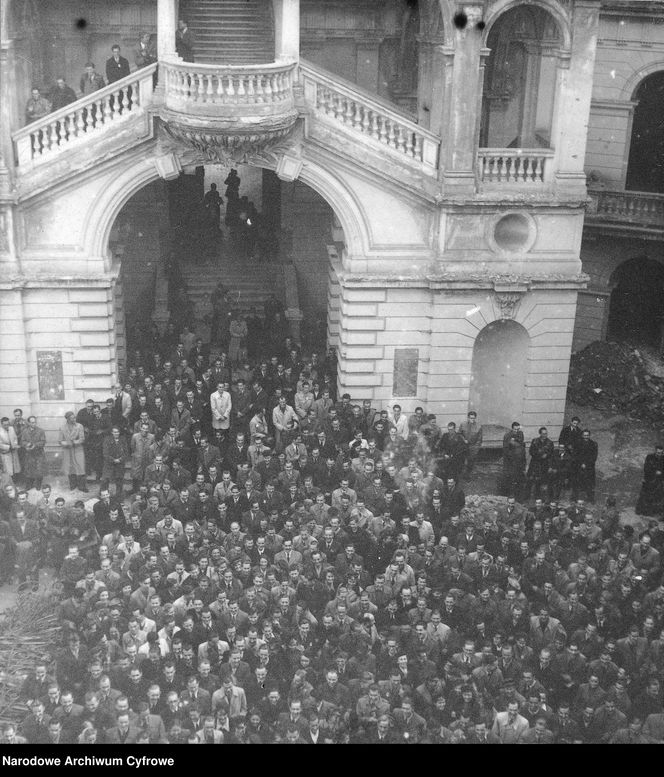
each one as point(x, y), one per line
point(636, 309)
point(645, 168)
point(170, 251)
point(520, 80)
point(500, 360)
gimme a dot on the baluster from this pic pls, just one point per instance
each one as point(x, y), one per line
point(375, 129)
point(200, 91)
point(492, 168)
point(59, 136)
point(220, 89)
point(365, 121)
point(108, 110)
point(251, 92)
point(99, 113)
point(208, 91)
point(357, 116)
point(383, 130)
point(485, 172)
point(390, 134)
point(231, 89)
point(136, 98)
point(275, 87)
point(280, 86)
point(260, 94)
point(70, 126)
point(80, 124)
point(125, 99)
point(517, 165)
point(527, 163)
point(241, 91)
point(403, 140)
point(501, 169)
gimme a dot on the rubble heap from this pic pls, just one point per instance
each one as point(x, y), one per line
point(618, 377)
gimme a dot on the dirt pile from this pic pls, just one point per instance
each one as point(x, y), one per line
point(619, 377)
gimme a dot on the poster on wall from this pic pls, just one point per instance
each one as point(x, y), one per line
point(49, 375)
point(404, 382)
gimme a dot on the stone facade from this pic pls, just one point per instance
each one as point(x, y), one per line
point(435, 254)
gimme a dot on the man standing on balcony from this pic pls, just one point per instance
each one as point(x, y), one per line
point(184, 41)
point(61, 94)
point(91, 80)
point(37, 107)
point(146, 53)
point(117, 67)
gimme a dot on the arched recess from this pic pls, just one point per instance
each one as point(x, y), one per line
point(645, 166)
point(636, 308)
point(528, 45)
point(104, 210)
point(500, 357)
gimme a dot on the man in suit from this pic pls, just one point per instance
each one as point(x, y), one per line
point(286, 557)
point(382, 734)
point(539, 734)
point(117, 67)
point(25, 535)
point(184, 41)
point(543, 629)
point(146, 53)
point(150, 724)
point(509, 726)
point(123, 733)
point(195, 694)
point(35, 726)
point(231, 698)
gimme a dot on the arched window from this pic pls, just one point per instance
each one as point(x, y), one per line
point(520, 80)
point(645, 168)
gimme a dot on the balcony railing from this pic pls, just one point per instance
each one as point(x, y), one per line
point(220, 90)
point(514, 166)
point(639, 209)
point(330, 96)
point(86, 118)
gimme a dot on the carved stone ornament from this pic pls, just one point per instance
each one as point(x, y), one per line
point(230, 145)
point(508, 303)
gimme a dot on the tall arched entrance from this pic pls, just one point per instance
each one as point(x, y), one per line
point(500, 357)
point(521, 78)
point(645, 168)
point(174, 241)
point(636, 309)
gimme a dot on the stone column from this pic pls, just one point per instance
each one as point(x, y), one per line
point(572, 109)
point(167, 22)
point(461, 136)
point(530, 97)
point(286, 29)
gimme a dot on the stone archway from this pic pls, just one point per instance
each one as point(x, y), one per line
point(500, 357)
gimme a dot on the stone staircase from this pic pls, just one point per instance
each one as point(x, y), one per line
point(231, 32)
point(251, 283)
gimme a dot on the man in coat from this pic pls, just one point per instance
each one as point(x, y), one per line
point(9, 449)
point(141, 454)
point(33, 441)
point(72, 439)
point(115, 455)
point(583, 467)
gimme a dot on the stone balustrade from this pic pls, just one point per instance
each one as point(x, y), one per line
point(515, 166)
point(222, 90)
point(332, 97)
point(89, 117)
point(643, 209)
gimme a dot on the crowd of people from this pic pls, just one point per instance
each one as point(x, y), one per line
point(287, 565)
